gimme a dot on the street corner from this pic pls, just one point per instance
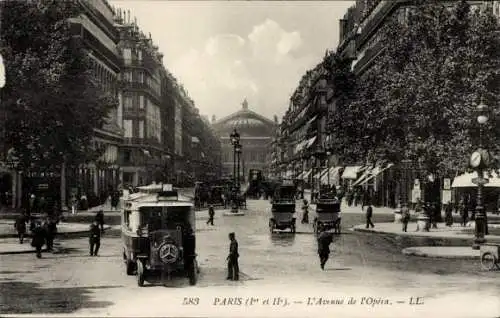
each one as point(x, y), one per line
point(459, 252)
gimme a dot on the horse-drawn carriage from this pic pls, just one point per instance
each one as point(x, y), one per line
point(283, 208)
point(327, 213)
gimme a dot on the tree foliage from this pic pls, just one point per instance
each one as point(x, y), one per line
point(418, 100)
point(52, 97)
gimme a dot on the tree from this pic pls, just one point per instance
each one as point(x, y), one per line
point(52, 97)
point(417, 101)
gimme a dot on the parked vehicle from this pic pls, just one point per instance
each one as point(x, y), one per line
point(158, 234)
point(283, 208)
point(327, 213)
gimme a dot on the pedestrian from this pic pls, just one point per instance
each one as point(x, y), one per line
point(435, 214)
point(233, 269)
point(464, 215)
point(448, 211)
point(369, 214)
point(305, 213)
point(50, 227)
point(20, 226)
point(405, 217)
point(38, 239)
point(99, 217)
point(324, 241)
point(211, 214)
point(94, 239)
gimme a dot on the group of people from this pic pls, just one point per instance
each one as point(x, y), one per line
point(43, 231)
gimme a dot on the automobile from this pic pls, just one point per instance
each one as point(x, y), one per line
point(158, 234)
point(327, 213)
point(283, 208)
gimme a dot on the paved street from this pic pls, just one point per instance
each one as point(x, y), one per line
point(70, 282)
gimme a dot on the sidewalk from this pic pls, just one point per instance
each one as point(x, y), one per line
point(442, 232)
point(7, 229)
point(462, 252)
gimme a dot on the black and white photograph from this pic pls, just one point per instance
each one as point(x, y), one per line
point(205, 158)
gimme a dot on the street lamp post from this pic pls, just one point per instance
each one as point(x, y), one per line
point(238, 159)
point(328, 153)
point(480, 160)
point(235, 141)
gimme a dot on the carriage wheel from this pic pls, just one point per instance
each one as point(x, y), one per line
point(488, 261)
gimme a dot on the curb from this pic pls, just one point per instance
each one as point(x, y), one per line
point(412, 251)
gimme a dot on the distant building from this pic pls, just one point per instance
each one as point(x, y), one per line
point(256, 135)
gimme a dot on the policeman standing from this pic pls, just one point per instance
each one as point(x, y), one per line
point(50, 232)
point(369, 214)
point(94, 239)
point(211, 214)
point(20, 226)
point(324, 241)
point(38, 238)
point(233, 269)
point(99, 218)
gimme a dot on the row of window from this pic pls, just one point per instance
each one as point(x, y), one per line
point(130, 55)
point(139, 76)
point(252, 156)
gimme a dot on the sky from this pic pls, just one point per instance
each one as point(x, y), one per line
point(223, 52)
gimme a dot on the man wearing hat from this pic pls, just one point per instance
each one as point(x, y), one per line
point(233, 269)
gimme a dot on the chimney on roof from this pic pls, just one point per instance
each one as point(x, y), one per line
point(214, 119)
point(275, 119)
point(245, 104)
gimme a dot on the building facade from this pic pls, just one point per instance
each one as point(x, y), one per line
point(256, 136)
point(144, 153)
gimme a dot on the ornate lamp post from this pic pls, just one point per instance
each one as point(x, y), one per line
point(328, 154)
point(237, 149)
point(480, 161)
point(235, 141)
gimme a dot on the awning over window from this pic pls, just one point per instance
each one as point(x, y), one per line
point(370, 174)
point(320, 173)
point(307, 174)
point(310, 142)
point(334, 175)
point(300, 146)
point(351, 172)
point(465, 180)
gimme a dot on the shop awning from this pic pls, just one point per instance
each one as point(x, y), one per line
point(334, 174)
point(300, 146)
point(307, 174)
point(351, 172)
point(320, 173)
point(465, 180)
point(299, 176)
point(371, 173)
point(310, 142)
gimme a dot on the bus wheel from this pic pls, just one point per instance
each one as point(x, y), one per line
point(129, 265)
point(141, 273)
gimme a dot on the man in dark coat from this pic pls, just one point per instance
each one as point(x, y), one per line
point(99, 218)
point(211, 214)
point(233, 269)
point(94, 238)
point(369, 214)
point(50, 227)
point(38, 238)
point(20, 227)
point(324, 241)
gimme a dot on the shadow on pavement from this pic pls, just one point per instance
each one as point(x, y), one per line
point(282, 239)
point(25, 297)
point(16, 272)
